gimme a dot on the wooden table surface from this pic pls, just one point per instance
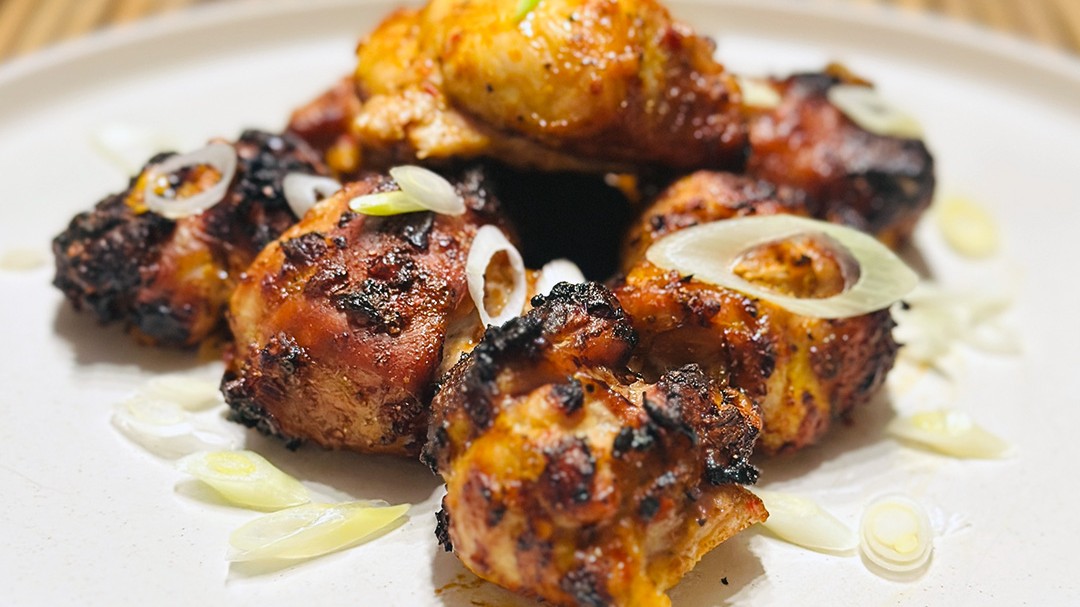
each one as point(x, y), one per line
point(27, 25)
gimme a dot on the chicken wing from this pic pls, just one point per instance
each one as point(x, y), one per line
point(803, 372)
point(569, 84)
point(169, 280)
point(842, 172)
point(341, 325)
point(568, 478)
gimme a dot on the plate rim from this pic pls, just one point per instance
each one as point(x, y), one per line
point(923, 25)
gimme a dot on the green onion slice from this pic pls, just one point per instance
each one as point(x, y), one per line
point(709, 252)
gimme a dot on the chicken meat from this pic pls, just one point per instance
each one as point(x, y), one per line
point(342, 324)
point(803, 372)
point(570, 479)
point(169, 280)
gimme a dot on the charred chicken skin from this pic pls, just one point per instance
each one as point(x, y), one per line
point(570, 479)
point(842, 173)
point(168, 281)
point(803, 372)
point(340, 325)
point(573, 84)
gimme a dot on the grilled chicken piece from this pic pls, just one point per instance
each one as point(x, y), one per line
point(574, 84)
point(340, 325)
point(568, 478)
point(803, 372)
point(169, 281)
point(840, 171)
point(326, 123)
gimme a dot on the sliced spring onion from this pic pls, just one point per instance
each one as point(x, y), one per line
point(895, 534)
point(165, 428)
point(868, 109)
point(22, 259)
point(950, 432)
point(489, 242)
point(190, 393)
point(220, 156)
point(968, 228)
point(429, 188)
point(302, 191)
point(385, 203)
point(245, 478)
point(421, 190)
point(556, 271)
point(525, 7)
point(757, 92)
point(708, 252)
point(803, 522)
point(934, 319)
point(311, 530)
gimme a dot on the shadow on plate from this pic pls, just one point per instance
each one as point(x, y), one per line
point(95, 344)
point(865, 427)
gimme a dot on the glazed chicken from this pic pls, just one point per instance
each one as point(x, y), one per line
point(803, 372)
point(570, 479)
point(578, 84)
point(341, 325)
point(843, 173)
point(168, 281)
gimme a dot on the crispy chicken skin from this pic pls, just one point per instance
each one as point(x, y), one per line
point(572, 84)
point(169, 281)
point(340, 325)
point(803, 372)
point(843, 173)
point(568, 478)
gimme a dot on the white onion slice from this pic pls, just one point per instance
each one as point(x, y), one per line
point(245, 478)
point(490, 241)
point(556, 271)
point(220, 156)
point(867, 108)
point(895, 534)
point(968, 228)
point(950, 432)
point(709, 251)
point(190, 393)
point(165, 429)
point(310, 530)
point(302, 191)
point(429, 188)
point(803, 522)
point(757, 92)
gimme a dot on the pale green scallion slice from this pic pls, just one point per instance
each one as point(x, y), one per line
point(246, 479)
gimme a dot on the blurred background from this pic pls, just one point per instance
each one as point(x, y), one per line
point(28, 25)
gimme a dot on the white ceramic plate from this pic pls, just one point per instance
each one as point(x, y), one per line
point(89, 518)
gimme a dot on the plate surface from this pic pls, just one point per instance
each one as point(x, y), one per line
point(90, 518)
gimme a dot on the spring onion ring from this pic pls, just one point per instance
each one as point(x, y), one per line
point(758, 93)
point(220, 156)
point(867, 108)
point(421, 190)
point(490, 241)
point(430, 189)
point(302, 191)
point(895, 534)
point(708, 252)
